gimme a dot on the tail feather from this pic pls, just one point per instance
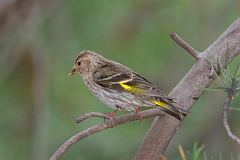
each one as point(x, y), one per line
point(174, 114)
point(175, 111)
point(171, 109)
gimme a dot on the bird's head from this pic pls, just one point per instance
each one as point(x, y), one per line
point(84, 62)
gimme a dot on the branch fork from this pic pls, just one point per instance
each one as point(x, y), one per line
point(100, 127)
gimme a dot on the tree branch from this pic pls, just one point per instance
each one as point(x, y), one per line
point(225, 120)
point(189, 89)
point(184, 45)
point(100, 127)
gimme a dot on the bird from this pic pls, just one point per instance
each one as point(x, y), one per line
point(121, 88)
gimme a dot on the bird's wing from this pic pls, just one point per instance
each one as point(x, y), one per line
point(127, 81)
point(133, 83)
point(117, 82)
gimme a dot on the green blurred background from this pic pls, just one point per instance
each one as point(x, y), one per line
point(40, 40)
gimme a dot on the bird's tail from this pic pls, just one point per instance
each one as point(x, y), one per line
point(175, 112)
point(172, 109)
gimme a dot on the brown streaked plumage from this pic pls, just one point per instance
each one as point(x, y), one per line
point(119, 87)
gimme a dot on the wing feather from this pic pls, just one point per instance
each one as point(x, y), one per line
point(128, 82)
point(123, 79)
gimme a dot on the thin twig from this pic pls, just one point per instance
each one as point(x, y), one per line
point(182, 153)
point(100, 127)
point(89, 115)
point(184, 45)
point(162, 157)
point(225, 120)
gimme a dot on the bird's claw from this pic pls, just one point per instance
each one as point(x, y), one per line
point(110, 119)
point(138, 114)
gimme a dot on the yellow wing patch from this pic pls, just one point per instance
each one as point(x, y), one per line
point(130, 88)
point(161, 104)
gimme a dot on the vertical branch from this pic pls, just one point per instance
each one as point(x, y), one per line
point(40, 103)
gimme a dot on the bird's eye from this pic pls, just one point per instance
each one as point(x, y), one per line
point(78, 63)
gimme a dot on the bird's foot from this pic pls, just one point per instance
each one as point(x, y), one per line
point(110, 118)
point(138, 114)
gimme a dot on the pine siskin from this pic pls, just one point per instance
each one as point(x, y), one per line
point(121, 88)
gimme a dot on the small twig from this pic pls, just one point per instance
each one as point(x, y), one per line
point(182, 153)
point(162, 157)
point(184, 45)
point(100, 127)
point(225, 120)
point(89, 115)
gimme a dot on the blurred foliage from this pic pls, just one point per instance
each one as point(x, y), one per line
point(198, 153)
point(39, 102)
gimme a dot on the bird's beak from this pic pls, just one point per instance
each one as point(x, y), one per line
point(72, 72)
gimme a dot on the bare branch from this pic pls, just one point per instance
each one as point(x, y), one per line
point(185, 45)
point(100, 127)
point(182, 153)
point(189, 89)
point(225, 120)
point(162, 157)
